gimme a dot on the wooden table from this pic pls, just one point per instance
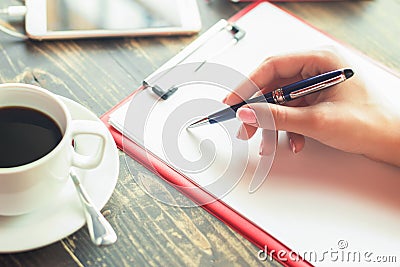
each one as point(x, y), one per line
point(99, 73)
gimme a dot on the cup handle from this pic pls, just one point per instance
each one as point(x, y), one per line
point(86, 127)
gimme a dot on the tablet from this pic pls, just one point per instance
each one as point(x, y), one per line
point(62, 19)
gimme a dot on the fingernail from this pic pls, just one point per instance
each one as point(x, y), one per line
point(247, 115)
point(224, 100)
point(292, 145)
point(261, 148)
point(239, 134)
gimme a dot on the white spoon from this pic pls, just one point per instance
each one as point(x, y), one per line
point(100, 230)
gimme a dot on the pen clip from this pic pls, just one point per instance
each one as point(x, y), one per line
point(317, 87)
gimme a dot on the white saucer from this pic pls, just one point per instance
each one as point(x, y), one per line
point(64, 216)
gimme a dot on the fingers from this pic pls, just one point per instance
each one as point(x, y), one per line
point(269, 142)
point(246, 131)
point(241, 93)
point(296, 142)
point(275, 72)
point(281, 70)
point(276, 117)
point(269, 138)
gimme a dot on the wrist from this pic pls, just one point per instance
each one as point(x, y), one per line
point(386, 144)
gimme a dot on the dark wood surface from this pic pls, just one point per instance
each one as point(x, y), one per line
point(99, 73)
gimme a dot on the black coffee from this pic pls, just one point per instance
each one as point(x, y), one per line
point(25, 135)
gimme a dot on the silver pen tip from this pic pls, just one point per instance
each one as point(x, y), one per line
point(198, 123)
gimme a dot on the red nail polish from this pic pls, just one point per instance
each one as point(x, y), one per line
point(292, 146)
point(247, 115)
point(261, 148)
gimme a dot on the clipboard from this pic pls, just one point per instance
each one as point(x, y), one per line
point(272, 235)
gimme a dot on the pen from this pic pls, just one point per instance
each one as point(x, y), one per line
point(281, 95)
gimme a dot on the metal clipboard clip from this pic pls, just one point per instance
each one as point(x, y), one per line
point(237, 35)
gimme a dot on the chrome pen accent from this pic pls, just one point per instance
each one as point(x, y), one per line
point(317, 87)
point(282, 95)
point(278, 96)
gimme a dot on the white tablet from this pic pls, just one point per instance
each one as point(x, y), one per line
point(64, 19)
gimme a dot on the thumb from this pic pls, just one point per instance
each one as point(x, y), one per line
point(277, 117)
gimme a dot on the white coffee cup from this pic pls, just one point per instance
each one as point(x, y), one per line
point(27, 187)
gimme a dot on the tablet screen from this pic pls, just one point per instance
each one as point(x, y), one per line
point(64, 15)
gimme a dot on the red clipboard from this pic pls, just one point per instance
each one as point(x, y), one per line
point(255, 234)
point(234, 220)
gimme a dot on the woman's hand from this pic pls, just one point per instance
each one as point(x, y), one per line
point(346, 116)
